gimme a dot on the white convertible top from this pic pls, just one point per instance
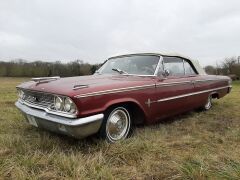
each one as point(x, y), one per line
point(195, 63)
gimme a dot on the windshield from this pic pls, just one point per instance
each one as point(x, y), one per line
point(134, 65)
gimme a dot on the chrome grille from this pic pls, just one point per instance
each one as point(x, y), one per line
point(38, 98)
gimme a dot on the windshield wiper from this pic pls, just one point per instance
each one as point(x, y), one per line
point(119, 71)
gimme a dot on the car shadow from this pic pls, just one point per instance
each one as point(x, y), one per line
point(51, 141)
point(93, 142)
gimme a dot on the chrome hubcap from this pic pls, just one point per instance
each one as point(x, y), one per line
point(118, 124)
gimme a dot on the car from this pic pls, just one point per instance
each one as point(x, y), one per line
point(125, 91)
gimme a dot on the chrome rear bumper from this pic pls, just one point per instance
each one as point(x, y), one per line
point(78, 128)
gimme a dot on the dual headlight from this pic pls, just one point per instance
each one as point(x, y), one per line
point(64, 104)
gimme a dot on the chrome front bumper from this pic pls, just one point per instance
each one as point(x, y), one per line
point(78, 128)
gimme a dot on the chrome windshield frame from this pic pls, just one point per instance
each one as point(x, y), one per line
point(158, 65)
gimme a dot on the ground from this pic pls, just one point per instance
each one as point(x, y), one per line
point(196, 145)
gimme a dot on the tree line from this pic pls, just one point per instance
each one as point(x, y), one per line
point(22, 68)
point(229, 66)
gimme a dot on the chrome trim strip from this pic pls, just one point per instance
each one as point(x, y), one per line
point(206, 80)
point(185, 82)
point(190, 94)
point(138, 75)
point(111, 91)
point(173, 83)
point(47, 110)
point(158, 66)
point(115, 91)
point(60, 120)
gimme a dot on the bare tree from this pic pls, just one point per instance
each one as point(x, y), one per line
point(210, 70)
point(228, 64)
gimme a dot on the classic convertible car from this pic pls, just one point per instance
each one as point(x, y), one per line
point(125, 91)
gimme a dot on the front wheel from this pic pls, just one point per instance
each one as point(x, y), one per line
point(116, 125)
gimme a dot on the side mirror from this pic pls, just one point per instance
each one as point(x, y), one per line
point(166, 73)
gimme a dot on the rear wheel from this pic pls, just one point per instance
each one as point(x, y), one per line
point(116, 125)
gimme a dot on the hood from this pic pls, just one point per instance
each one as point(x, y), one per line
point(73, 86)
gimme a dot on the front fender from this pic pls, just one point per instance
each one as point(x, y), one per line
point(104, 106)
point(123, 100)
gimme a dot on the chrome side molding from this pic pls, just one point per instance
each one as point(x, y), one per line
point(111, 91)
point(192, 94)
point(149, 101)
point(133, 88)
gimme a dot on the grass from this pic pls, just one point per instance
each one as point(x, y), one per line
point(196, 145)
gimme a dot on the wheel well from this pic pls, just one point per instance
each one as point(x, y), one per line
point(215, 95)
point(138, 115)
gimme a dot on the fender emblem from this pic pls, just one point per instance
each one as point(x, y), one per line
point(148, 103)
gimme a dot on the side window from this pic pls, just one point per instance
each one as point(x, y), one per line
point(174, 65)
point(188, 68)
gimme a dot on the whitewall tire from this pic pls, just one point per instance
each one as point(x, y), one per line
point(116, 125)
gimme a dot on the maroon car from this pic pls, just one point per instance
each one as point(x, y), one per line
point(127, 90)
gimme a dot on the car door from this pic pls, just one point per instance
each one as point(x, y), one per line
point(171, 90)
point(191, 73)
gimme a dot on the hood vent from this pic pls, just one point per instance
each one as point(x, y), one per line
point(80, 86)
point(45, 79)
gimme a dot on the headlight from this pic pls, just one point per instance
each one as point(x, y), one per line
point(69, 105)
point(64, 104)
point(20, 94)
point(58, 103)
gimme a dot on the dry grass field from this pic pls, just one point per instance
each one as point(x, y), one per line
point(196, 145)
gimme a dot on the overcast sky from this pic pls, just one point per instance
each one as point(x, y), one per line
point(93, 30)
